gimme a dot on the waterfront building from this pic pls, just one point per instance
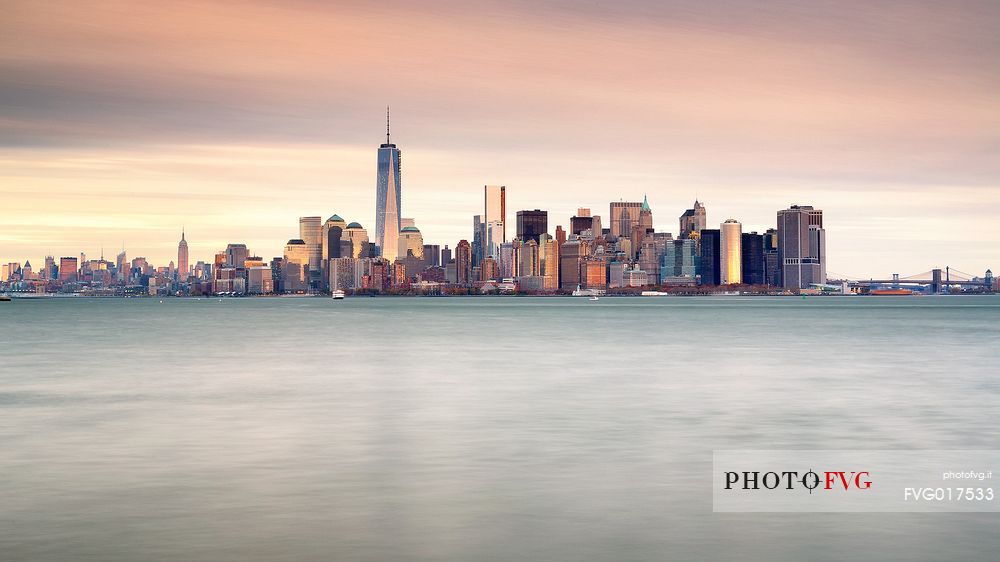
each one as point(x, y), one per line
point(635, 277)
point(388, 197)
point(801, 246)
point(730, 253)
point(548, 262)
point(570, 256)
point(594, 272)
point(679, 262)
point(183, 267)
point(752, 258)
point(709, 256)
point(296, 266)
point(411, 243)
point(624, 215)
point(463, 262)
point(692, 221)
point(260, 280)
point(489, 269)
point(532, 224)
point(343, 273)
point(506, 261)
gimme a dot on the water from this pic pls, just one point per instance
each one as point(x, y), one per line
point(472, 428)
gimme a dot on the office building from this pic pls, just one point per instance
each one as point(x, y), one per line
point(532, 224)
point(709, 257)
point(801, 247)
point(752, 258)
point(624, 215)
point(388, 197)
point(692, 221)
point(495, 211)
point(730, 253)
point(182, 259)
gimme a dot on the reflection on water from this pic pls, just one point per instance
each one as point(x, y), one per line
point(472, 428)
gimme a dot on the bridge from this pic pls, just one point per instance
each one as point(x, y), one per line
point(938, 279)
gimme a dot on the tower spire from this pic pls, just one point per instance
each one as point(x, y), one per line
point(387, 124)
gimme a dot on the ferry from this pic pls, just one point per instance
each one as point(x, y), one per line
point(4, 298)
point(890, 292)
point(338, 294)
point(580, 292)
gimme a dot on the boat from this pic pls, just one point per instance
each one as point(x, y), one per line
point(4, 298)
point(594, 298)
point(338, 294)
point(890, 292)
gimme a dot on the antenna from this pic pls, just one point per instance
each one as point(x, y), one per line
point(387, 124)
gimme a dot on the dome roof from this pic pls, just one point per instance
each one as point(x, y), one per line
point(335, 218)
point(355, 225)
point(410, 229)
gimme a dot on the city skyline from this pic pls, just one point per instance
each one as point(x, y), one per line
point(236, 127)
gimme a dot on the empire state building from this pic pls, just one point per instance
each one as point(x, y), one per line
point(387, 197)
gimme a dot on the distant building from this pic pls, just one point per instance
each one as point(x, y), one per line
point(692, 221)
point(532, 224)
point(624, 215)
point(411, 243)
point(463, 262)
point(548, 262)
point(183, 266)
point(388, 197)
point(259, 280)
point(67, 270)
point(358, 238)
point(236, 254)
point(730, 253)
point(752, 258)
point(296, 266)
point(709, 257)
point(801, 246)
point(495, 213)
point(679, 261)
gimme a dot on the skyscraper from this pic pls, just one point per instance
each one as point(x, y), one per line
point(624, 215)
point(752, 248)
point(311, 231)
point(388, 197)
point(708, 261)
point(801, 246)
point(463, 262)
point(495, 210)
point(730, 253)
point(182, 258)
point(693, 220)
point(532, 224)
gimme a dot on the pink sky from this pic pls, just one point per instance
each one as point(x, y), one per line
point(125, 121)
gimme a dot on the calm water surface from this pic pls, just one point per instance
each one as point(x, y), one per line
point(472, 428)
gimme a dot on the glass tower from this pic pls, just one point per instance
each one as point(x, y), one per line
point(387, 197)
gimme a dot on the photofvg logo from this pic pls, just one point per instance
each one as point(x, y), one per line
point(808, 480)
point(854, 481)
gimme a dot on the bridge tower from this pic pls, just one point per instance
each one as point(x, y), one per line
point(936, 280)
point(895, 280)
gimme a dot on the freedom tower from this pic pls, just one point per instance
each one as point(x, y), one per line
point(387, 197)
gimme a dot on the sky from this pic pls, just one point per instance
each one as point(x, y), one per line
point(124, 122)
